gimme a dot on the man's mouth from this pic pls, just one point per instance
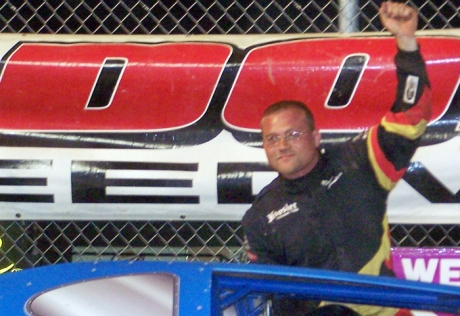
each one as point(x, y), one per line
point(285, 157)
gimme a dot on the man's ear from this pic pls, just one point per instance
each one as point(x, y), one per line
point(317, 137)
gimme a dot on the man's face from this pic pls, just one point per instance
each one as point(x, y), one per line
point(295, 157)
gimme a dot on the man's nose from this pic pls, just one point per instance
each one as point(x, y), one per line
point(284, 143)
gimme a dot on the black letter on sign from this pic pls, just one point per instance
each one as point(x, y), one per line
point(234, 182)
point(347, 81)
point(20, 166)
point(428, 186)
point(89, 182)
point(106, 83)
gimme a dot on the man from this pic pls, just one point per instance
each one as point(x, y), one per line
point(327, 209)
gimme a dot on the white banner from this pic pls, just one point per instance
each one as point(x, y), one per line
point(166, 128)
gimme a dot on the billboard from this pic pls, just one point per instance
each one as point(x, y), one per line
point(167, 127)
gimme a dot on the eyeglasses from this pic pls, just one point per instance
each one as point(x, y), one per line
point(273, 140)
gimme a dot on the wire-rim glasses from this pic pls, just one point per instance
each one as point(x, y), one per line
point(273, 140)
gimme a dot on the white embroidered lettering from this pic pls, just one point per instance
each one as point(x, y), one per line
point(283, 212)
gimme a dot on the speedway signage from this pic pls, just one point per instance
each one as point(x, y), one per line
point(432, 265)
point(166, 128)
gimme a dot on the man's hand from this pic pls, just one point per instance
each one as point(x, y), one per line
point(401, 20)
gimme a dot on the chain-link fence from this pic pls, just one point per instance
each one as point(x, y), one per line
point(35, 243)
point(209, 17)
point(31, 243)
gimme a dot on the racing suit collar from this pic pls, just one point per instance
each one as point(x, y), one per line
point(308, 183)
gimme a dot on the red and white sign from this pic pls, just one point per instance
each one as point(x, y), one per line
point(166, 128)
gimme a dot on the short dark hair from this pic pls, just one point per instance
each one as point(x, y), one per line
point(291, 104)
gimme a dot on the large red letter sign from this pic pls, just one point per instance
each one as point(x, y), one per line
point(55, 87)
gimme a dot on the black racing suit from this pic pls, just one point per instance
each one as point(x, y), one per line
point(335, 216)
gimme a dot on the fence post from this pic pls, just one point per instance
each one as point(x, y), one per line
point(348, 16)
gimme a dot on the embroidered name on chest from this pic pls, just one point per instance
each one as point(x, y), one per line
point(283, 212)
